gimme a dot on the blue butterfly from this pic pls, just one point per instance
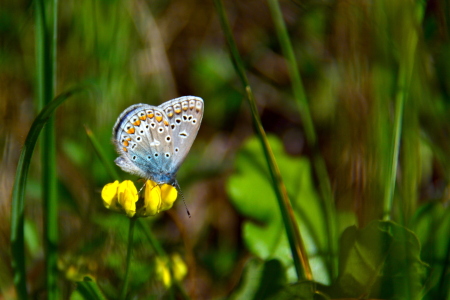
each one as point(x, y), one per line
point(153, 141)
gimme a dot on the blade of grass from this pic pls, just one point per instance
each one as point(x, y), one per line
point(20, 180)
point(403, 82)
point(46, 24)
point(89, 289)
point(299, 254)
point(101, 154)
point(310, 132)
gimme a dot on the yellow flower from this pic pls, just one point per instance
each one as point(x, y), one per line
point(120, 197)
point(179, 269)
point(123, 197)
point(157, 198)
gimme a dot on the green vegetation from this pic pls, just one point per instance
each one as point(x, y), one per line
point(321, 169)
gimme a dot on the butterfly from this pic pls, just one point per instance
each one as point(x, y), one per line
point(153, 141)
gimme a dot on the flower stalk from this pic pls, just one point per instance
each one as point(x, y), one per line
point(123, 292)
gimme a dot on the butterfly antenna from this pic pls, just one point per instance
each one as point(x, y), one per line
point(182, 197)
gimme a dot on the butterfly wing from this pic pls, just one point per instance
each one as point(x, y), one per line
point(185, 116)
point(143, 139)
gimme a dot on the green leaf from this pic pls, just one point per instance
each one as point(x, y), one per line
point(87, 290)
point(432, 225)
point(299, 291)
point(260, 280)
point(380, 261)
point(253, 196)
point(20, 182)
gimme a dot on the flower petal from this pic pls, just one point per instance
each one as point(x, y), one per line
point(152, 198)
point(168, 194)
point(109, 195)
point(163, 272)
point(179, 267)
point(127, 197)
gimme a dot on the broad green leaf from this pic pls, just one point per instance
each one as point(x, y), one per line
point(380, 261)
point(260, 280)
point(432, 225)
point(299, 291)
point(253, 196)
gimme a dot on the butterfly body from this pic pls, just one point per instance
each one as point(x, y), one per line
point(153, 141)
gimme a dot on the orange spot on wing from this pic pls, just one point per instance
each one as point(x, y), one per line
point(150, 115)
point(125, 149)
point(158, 118)
point(131, 130)
point(143, 117)
point(178, 110)
point(137, 123)
point(166, 123)
point(125, 143)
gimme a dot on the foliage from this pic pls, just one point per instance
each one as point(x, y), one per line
point(324, 144)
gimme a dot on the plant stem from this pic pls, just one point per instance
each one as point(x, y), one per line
point(46, 24)
point(404, 80)
point(310, 133)
point(298, 251)
point(123, 292)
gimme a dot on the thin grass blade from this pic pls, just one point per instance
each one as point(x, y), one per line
point(310, 132)
point(299, 254)
point(101, 154)
point(20, 181)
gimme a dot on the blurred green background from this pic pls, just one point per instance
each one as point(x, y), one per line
point(350, 55)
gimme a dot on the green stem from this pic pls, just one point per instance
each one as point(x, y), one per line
point(404, 79)
point(123, 292)
point(46, 24)
point(151, 239)
point(298, 251)
point(101, 154)
point(310, 133)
